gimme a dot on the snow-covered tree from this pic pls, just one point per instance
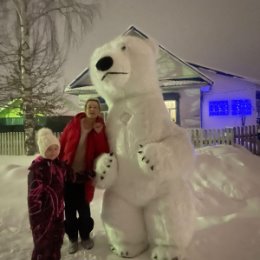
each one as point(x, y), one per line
point(32, 53)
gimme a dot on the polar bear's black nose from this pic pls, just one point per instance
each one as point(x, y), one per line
point(104, 63)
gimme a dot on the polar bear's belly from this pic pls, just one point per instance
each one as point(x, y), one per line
point(132, 183)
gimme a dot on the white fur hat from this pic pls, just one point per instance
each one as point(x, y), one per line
point(46, 138)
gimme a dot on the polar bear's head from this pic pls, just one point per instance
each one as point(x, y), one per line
point(125, 68)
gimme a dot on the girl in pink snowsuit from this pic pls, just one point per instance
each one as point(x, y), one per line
point(45, 198)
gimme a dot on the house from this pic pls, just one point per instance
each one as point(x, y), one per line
point(195, 96)
point(232, 101)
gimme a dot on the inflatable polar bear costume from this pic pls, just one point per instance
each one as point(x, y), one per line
point(147, 201)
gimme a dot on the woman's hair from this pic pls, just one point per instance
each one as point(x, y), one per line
point(92, 99)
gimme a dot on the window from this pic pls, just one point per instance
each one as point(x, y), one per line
point(171, 106)
point(171, 101)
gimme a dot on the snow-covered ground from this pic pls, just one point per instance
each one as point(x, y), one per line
point(224, 240)
point(15, 235)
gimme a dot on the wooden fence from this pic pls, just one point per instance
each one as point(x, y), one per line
point(205, 137)
point(12, 143)
point(248, 136)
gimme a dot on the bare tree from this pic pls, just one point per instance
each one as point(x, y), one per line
point(31, 53)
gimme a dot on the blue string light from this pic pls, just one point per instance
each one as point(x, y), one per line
point(241, 107)
point(218, 108)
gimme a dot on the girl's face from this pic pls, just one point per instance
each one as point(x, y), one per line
point(52, 152)
point(92, 109)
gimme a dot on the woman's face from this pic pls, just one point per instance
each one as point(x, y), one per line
point(92, 109)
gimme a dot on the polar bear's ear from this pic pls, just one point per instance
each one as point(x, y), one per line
point(154, 45)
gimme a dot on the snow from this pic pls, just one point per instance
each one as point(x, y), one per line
point(217, 239)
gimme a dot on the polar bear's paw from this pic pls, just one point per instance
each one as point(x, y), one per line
point(106, 170)
point(166, 253)
point(149, 158)
point(128, 250)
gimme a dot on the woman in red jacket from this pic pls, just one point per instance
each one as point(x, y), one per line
point(82, 140)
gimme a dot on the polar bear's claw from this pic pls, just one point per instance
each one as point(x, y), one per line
point(144, 158)
point(106, 170)
point(128, 250)
point(166, 253)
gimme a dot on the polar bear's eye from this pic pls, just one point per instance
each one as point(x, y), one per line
point(123, 47)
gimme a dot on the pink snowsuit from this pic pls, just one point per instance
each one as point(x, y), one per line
point(46, 207)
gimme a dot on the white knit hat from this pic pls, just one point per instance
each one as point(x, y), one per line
point(46, 138)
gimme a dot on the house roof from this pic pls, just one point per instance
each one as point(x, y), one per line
point(173, 72)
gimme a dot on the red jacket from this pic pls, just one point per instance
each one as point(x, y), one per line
point(96, 145)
